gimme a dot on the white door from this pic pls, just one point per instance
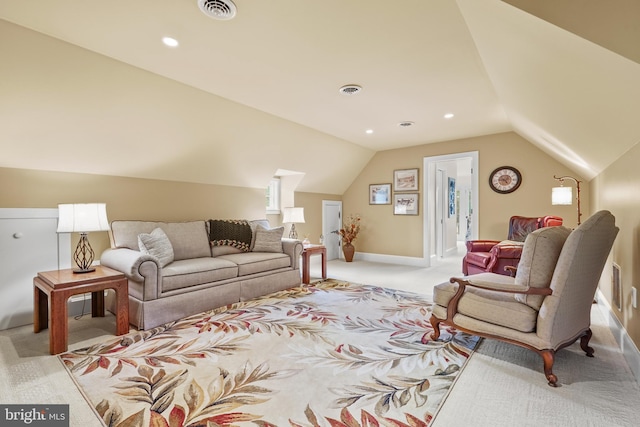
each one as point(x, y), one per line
point(331, 221)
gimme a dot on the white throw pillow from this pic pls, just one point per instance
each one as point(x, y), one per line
point(158, 245)
point(268, 240)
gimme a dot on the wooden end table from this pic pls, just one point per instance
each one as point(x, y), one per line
point(52, 289)
point(307, 251)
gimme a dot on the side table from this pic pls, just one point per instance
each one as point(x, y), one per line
point(307, 251)
point(52, 289)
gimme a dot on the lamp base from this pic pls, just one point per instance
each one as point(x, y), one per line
point(83, 270)
point(83, 255)
point(293, 234)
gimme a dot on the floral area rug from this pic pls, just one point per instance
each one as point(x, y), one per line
point(330, 354)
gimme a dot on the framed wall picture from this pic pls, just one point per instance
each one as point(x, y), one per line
point(380, 194)
point(452, 197)
point(405, 204)
point(405, 180)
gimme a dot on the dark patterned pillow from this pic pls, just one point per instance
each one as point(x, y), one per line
point(230, 232)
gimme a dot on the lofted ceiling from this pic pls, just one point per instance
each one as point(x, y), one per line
point(495, 65)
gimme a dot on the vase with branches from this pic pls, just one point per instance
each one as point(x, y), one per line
point(348, 233)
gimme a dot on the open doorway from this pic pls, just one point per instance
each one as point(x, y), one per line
point(450, 203)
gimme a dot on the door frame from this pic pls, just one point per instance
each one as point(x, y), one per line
point(429, 201)
point(326, 226)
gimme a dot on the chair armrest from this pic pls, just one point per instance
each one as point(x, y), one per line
point(503, 285)
point(481, 245)
point(507, 250)
point(293, 248)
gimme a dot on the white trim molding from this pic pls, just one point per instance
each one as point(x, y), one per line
point(629, 350)
point(391, 259)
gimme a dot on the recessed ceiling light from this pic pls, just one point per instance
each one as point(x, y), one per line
point(448, 116)
point(350, 89)
point(405, 124)
point(369, 131)
point(170, 41)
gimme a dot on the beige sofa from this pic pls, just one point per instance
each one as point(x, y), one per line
point(175, 269)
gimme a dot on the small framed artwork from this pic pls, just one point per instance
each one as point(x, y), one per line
point(380, 194)
point(405, 180)
point(452, 197)
point(405, 204)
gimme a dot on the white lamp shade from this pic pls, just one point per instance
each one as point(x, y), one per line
point(82, 218)
point(561, 196)
point(293, 215)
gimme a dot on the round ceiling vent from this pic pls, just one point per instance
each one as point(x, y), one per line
point(350, 89)
point(218, 9)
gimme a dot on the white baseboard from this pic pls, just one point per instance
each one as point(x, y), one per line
point(629, 349)
point(391, 259)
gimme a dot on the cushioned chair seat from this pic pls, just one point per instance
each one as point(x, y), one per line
point(500, 309)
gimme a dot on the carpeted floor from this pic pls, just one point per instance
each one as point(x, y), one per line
point(307, 356)
point(501, 385)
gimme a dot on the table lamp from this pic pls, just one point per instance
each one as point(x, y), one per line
point(293, 216)
point(83, 218)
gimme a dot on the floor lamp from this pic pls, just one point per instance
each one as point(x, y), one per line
point(563, 195)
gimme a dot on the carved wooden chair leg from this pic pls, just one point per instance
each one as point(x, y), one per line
point(548, 357)
point(435, 323)
point(584, 343)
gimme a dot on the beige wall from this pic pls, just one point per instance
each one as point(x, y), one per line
point(617, 190)
point(129, 198)
point(386, 233)
point(312, 204)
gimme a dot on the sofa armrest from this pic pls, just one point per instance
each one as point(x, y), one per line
point(481, 245)
point(293, 248)
point(143, 269)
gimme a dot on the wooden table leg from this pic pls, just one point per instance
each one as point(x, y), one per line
point(97, 304)
point(305, 268)
point(324, 263)
point(122, 308)
point(40, 310)
point(59, 322)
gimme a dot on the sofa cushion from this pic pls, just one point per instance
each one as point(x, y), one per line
point(230, 232)
point(254, 227)
point(538, 261)
point(258, 262)
point(156, 244)
point(197, 271)
point(189, 239)
point(268, 240)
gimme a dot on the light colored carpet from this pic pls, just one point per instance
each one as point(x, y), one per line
point(502, 385)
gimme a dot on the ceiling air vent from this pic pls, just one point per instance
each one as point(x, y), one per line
point(350, 89)
point(405, 124)
point(218, 9)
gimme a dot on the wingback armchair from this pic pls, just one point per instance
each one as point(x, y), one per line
point(547, 305)
point(494, 256)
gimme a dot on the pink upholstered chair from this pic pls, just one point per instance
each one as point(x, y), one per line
point(495, 256)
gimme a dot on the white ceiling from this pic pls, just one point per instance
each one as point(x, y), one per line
point(494, 66)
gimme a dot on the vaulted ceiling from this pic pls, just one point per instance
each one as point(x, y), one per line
point(566, 77)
